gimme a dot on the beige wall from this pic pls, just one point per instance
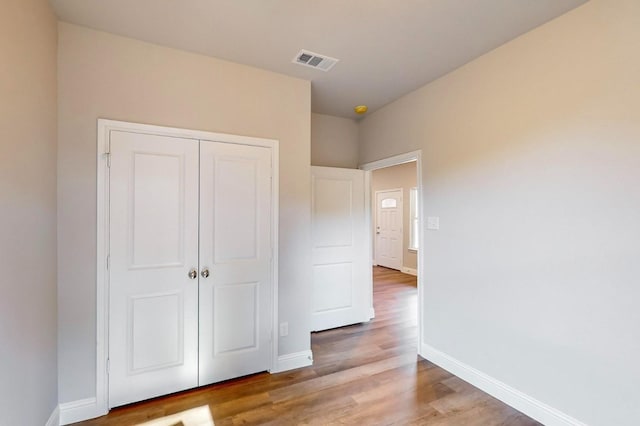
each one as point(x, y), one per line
point(102, 75)
point(401, 176)
point(28, 377)
point(531, 159)
point(334, 141)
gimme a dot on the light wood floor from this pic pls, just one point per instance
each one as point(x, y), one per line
point(366, 374)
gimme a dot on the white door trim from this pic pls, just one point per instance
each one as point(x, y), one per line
point(394, 161)
point(102, 247)
point(375, 222)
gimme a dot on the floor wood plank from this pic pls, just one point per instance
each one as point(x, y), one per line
point(365, 374)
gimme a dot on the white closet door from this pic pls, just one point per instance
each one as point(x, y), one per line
point(341, 268)
point(235, 248)
point(153, 313)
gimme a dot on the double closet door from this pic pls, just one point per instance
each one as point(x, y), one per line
point(190, 266)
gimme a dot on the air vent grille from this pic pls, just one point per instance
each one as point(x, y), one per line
point(314, 60)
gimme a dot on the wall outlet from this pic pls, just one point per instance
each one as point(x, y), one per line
point(284, 329)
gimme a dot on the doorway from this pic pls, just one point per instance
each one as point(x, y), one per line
point(413, 237)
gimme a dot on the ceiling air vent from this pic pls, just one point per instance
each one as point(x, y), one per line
point(314, 60)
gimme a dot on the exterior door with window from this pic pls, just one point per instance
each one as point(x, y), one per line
point(388, 229)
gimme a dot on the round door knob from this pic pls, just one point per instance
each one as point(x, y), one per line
point(193, 274)
point(205, 273)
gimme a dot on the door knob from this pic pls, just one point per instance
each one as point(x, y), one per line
point(205, 273)
point(193, 274)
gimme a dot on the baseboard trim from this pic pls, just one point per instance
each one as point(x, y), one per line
point(505, 393)
point(76, 411)
point(54, 418)
point(293, 361)
point(410, 271)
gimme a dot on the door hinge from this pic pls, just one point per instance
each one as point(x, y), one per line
point(108, 365)
point(108, 261)
point(108, 156)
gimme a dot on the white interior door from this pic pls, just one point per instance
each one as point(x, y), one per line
point(190, 263)
point(236, 250)
point(153, 303)
point(388, 234)
point(341, 282)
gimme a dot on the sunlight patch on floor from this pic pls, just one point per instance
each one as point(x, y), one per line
point(200, 416)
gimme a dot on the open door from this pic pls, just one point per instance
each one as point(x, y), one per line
point(341, 264)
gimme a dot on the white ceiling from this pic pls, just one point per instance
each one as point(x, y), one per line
point(386, 48)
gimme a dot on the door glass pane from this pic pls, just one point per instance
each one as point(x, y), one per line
point(389, 203)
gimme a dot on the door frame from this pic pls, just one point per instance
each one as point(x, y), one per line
point(375, 221)
point(394, 161)
point(104, 127)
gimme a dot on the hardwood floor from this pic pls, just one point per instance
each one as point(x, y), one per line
point(365, 374)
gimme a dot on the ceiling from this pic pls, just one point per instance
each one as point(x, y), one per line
point(386, 48)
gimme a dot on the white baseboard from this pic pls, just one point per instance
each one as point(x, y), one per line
point(54, 418)
point(410, 271)
point(293, 361)
point(76, 411)
point(505, 393)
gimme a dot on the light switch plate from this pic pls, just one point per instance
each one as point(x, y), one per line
point(284, 329)
point(433, 223)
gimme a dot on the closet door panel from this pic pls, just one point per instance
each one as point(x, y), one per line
point(153, 304)
point(235, 248)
